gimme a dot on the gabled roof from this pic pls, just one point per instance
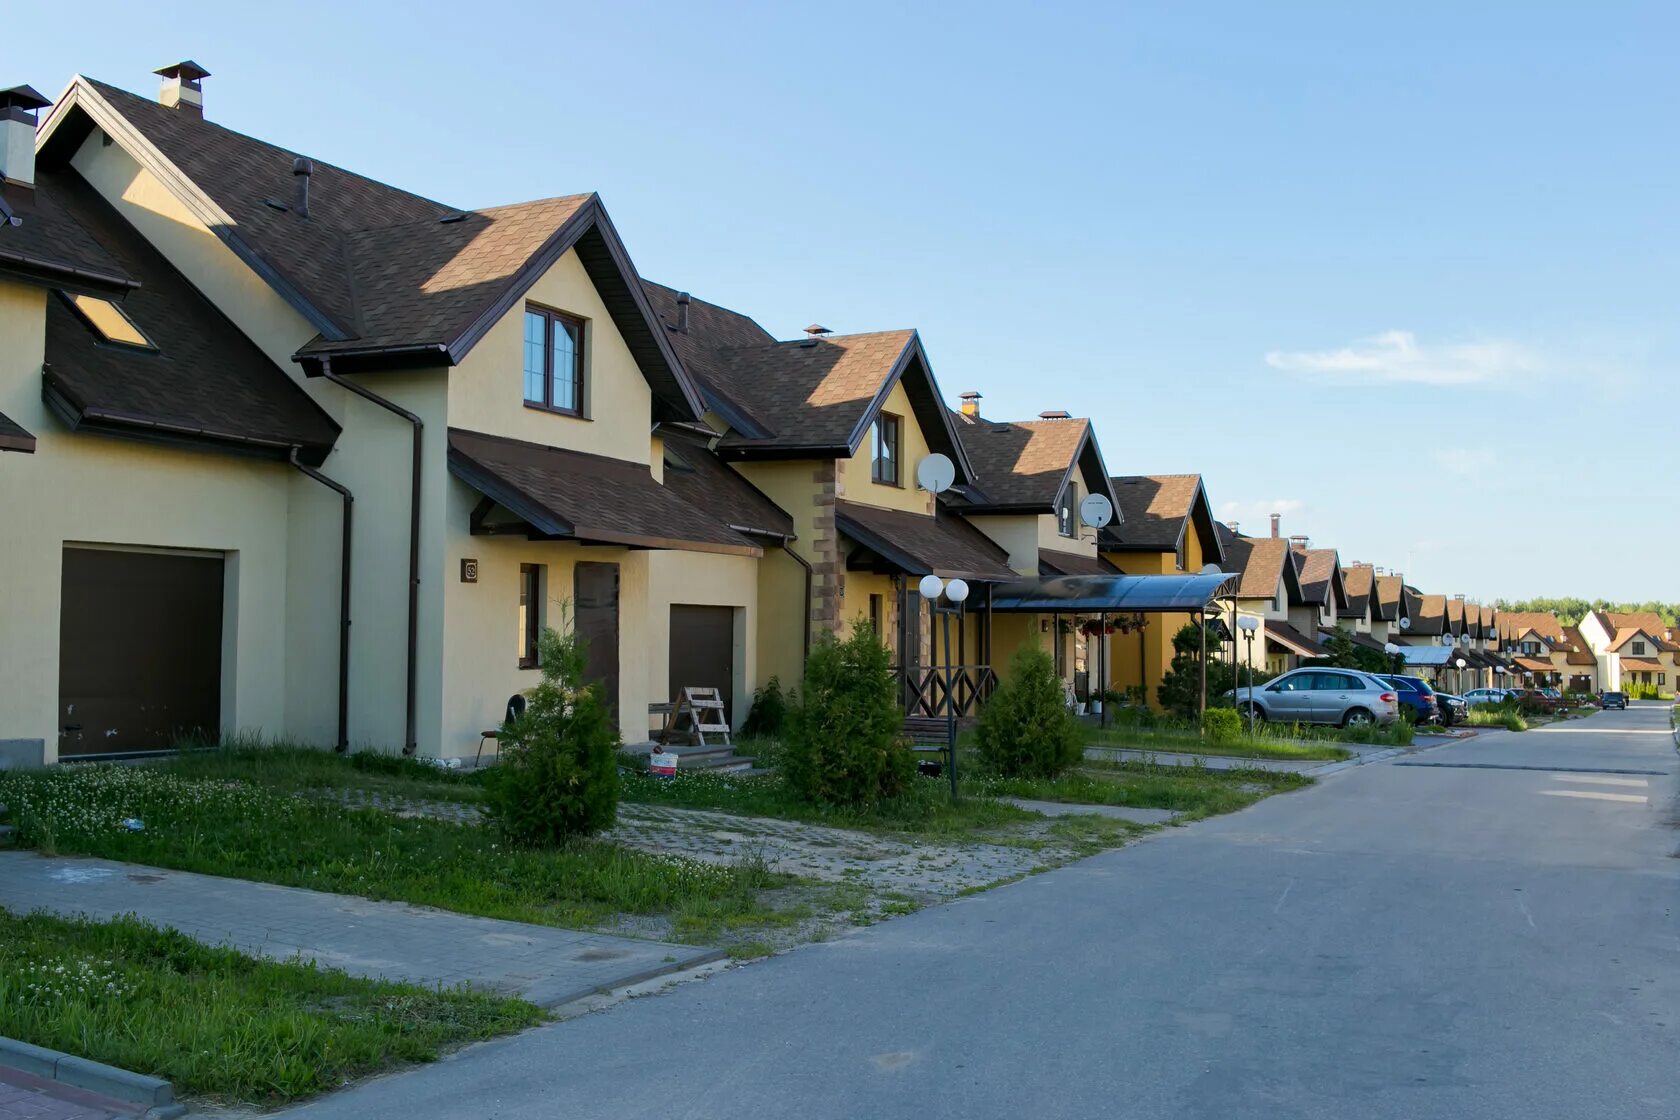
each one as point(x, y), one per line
point(1359, 580)
point(709, 329)
point(1023, 465)
point(387, 277)
point(1260, 562)
point(1577, 652)
point(1292, 640)
point(1155, 512)
point(553, 493)
point(1624, 625)
point(206, 383)
point(697, 476)
point(1389, 603)
point(1321, 576)
point(1428, 613)
point(891, 540)
point(48, 247)
point(1513, 624)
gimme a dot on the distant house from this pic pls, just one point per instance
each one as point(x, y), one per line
point(1632, 648)
point(1268, 590)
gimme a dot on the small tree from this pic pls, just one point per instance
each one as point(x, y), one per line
point(768, 717)
point(1180, 690)
point(845, 736)
point(557, 774)
point(1026, 730)
point(1339, 651)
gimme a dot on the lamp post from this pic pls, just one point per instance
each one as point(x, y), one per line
point(1461, 663)
point(931, 588)
point(1248, 624)
point(1393, 652)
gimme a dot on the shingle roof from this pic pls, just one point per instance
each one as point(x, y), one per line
point(711, 329)
point(575, 495)
point(946, 546)
point(207, 381)
point(378, 270)
point(1428, 613)
point(1388, 598)
point(14, 436)
point(1641, 664)
point(697, 476)
point(810, 393)
point(1291, 639)
point(1318, 568)
point(1628, 623)
point(1155, 511)
point(1020, 462)
point(1359, 581)
point(1054, 563)
point(1514, 624)
point(49, 246)
point(1577, 650)
point(1258, 560)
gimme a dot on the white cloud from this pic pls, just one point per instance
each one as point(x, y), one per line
point(1397, 357)
point(1466, 462)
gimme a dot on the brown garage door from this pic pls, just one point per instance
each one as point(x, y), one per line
point(703, 651)
point(140, 651)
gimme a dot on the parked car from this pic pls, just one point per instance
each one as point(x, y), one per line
point(1453, 709)
point(1536, 700)
point(1553, 693)
point(1617, 700)
point(1344, 697)
point(1417, 695)
point(1479, 696)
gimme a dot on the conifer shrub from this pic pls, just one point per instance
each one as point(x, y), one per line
point(1026, 730)
point(557, 774)
point(768, 718)
point(1222, 725)
point(845, 741)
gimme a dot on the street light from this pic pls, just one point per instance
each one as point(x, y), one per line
point(1393, 652)
point(1461, 663)
point(1248, 624)
point(931, 588)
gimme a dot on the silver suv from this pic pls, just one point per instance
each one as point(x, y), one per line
point(1345, 697)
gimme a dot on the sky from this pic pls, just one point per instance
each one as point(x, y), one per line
point(1405, 274)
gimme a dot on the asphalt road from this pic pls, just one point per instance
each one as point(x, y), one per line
point(1402, 940)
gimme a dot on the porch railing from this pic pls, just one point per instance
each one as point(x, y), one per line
point(923, 689)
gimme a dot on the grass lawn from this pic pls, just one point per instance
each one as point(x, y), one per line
point(1193, 790)
point(1486, 715)
point(1165, 741)
point(218, 1023)
point(233, 813)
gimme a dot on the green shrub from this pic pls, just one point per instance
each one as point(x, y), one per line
point(768, 717)
point(1222, 725)
point(557, 776)
point(1025, 729)
point(845, 740)
point(1180, 690)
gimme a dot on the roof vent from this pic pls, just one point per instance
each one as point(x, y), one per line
point(183, 87)
point(813, 333)
point(683, 300)
point(303, 170)
point(17, 134)
point(1055, 414)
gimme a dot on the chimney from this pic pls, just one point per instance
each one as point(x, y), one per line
point(1232, 525)
point(814, 332)
point(1055, 414)
point(18, 106)
point(302, 170)
point(1277, 518)
point(682, 312)
point(1299, 542)
point(970, 403)
point(182, 87)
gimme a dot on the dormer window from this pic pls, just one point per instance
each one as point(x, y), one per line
point(884, 446)
point(1065, 524)
point(553, 361)
point(110, 322)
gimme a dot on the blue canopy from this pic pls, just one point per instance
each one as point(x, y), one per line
point(1112, 593)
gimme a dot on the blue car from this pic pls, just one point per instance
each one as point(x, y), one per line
point(1417, 698)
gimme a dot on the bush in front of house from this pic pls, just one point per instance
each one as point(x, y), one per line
point(768, 718)
point(1026, 730)
point(1222, 725)
point(845, 740)
point(557, 775)
point(1180, 690)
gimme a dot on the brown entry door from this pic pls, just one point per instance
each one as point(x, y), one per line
point(140, 651)
point(595, 601)
point(703, 652)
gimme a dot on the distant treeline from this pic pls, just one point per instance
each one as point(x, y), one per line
point(1571, 611)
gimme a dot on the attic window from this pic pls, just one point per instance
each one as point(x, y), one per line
point(110, 322)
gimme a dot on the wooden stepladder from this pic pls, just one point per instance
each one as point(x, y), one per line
point(698, 712)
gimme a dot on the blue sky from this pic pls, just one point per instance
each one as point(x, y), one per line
point(1406, 274)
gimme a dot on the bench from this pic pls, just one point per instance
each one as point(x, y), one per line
point(928, 736)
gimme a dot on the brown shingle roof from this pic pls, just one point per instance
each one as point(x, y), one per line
point(697, 476)
point(1155, 512)
point(1020, 462)
point(1388, 598)
point(811, 394)
point(1577, 650)
point(1291, 639)
point(1428, 613)
point(710, 329)
point(1318, 569)
point(1258, 560)
point(1358, 581)
point(916, 544)
point(578, 496)
point(1641, 664)
point(1514, 624)
point(376, 269)
point(49, 246)
point(1054, 563)
point(206, 382)
point(1628, 623)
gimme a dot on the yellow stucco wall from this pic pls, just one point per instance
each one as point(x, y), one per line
point(854, 482)
point(1143, 659)
point(781, 622)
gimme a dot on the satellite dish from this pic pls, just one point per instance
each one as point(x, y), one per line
point(1096, 511)
point(1212, 570)
point(1405, 624)
point(1446, 639)
point(935, 473)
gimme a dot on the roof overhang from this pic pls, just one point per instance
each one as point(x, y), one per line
point(1291, 639)
point(877, 548)
point(1113, 593)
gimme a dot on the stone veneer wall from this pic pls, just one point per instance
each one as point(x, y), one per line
point(828, 567)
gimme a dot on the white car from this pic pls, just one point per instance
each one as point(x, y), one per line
point(1478, 696)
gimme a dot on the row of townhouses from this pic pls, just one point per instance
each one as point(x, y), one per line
point(294, 453)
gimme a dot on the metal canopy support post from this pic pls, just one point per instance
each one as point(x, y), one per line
point(1201, 625)
point(1102, 667)
point(950, 702)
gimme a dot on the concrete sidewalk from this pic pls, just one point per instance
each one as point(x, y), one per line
point(389, 940)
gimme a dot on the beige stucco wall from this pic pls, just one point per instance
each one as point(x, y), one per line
point(104, 491)
point(854, 483)
point(781, 622)
point(1016, 533)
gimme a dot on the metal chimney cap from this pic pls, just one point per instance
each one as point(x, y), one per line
point(970, 395)
point(188, 71)
point(302, 166)
point(1055, 414)
point(27, 98)
point(817, 329)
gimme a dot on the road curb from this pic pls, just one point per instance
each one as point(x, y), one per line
point(153, 1094)
point(552, 1003)
point(1350, 763)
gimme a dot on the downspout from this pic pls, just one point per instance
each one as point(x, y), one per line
point(343, 599)
point(410, 743)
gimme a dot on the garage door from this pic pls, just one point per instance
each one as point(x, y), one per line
point(703, 651)
point(140, 650)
